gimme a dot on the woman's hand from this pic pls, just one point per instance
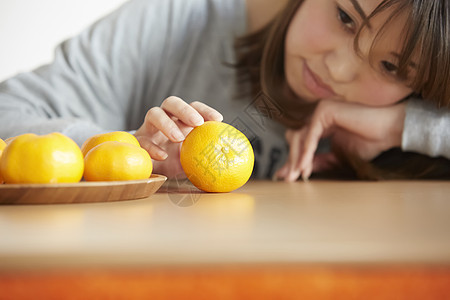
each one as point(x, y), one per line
point(355, 129)
point(165, 127)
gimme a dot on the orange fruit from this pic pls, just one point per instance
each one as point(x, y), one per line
point(217, 157)
point(51, 158)
point(115, 161)
point(2, 146)
point(117, 136)
point(9, 140)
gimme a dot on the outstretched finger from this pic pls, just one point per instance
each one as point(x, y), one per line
point(179, 109)
point(310, 144)
point(294, 156)
point(154, 150)
point(158, 119)
point(208, 113)
point(281, 173)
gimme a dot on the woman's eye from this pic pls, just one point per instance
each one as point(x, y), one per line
point(346, 20)
point(389, 67)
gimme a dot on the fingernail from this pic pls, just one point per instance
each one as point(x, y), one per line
point(197, 120)
point(305, 178)
point(176, 135)
point(292, 176)
point(216, 116)
point(163, 155)
point(306, 174)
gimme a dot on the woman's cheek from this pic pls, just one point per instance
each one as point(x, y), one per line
point(379, 95)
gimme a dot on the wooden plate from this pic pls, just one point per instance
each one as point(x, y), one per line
point(82, 192)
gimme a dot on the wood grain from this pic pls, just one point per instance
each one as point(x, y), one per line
point(82, 192)
point(251, 282)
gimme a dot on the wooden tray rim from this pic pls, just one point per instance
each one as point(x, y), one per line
point(153, 178)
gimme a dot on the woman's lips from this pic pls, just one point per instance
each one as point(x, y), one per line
point(315, 85)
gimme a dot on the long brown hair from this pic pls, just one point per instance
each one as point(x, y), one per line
point(260, 65)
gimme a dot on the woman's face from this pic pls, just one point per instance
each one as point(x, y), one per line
point(321, 61)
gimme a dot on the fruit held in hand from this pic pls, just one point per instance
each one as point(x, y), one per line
point(217, 157)
point(51, 158)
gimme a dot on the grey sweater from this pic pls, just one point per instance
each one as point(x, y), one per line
point(107, 78)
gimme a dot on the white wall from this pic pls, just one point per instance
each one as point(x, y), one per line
point(30, 29)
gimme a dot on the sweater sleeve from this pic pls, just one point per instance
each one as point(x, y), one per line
point(426, 129)
point(107, 77)
point(87, 87)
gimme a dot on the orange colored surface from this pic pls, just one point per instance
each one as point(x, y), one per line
point(232, 283)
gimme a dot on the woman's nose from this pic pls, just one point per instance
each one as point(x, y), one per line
point(342, 64)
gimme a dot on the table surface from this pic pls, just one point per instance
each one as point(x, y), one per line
point(325, 222)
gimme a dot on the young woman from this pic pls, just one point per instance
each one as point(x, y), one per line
point(341, 69)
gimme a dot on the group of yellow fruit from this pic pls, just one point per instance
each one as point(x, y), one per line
point(216, 157)
point(55, 158)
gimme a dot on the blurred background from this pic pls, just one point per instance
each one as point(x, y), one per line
point(30, 30)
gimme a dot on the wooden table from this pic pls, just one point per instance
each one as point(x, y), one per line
point(267, 240)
